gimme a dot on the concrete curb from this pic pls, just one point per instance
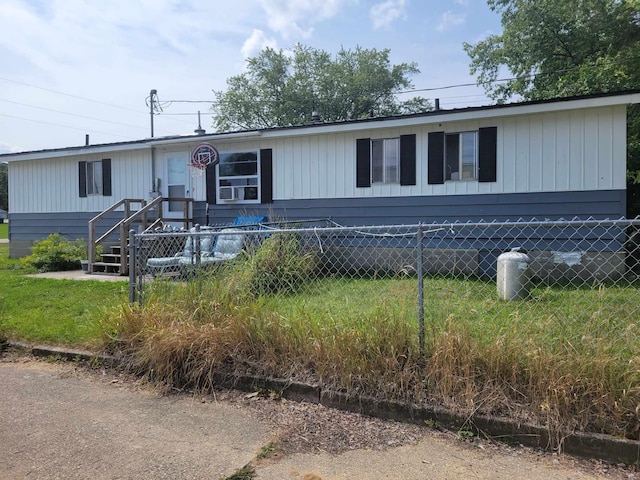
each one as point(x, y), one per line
point(588, 445)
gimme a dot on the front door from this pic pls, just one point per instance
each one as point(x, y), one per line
point(177, 184)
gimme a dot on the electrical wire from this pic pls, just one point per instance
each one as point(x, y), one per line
point(66, 126)
point(71, 114)
point(71, 95)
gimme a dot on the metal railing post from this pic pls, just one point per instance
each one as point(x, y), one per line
point(419, 267)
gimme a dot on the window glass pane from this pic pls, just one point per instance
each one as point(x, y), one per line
point(452, 157)
point(239, 182)
point(90, 185)
point(392, 160)
point(250, 193)
point(94, 178)
point(469, 155)
point(177, 171)
point(377, 161)
point(238, 164)
point(176, 191)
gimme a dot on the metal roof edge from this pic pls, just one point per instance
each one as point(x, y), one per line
point(465, 113)
point(486, 111)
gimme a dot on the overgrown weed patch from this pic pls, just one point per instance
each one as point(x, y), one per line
point(567, 361)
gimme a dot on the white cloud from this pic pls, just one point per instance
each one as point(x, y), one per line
point(383, 14)
point(449, 20)
point(257, 42)
point(6, 148)
point(113, 53)
point(295, 18)
point(464, 3)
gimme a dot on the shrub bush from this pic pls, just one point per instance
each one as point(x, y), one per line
point(56, 253)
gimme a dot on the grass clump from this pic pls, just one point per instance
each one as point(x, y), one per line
point(56, 253)
point(4, 230)
point(280, 265)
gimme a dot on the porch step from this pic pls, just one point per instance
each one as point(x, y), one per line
point(107, 268)
point(109, 263)
point(111, 257)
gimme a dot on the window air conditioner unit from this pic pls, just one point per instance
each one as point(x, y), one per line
point(228, 193)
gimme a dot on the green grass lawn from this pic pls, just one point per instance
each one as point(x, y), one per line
point(62, 312)
point(4, 230)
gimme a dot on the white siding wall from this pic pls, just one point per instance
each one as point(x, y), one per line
point(545, 152)
point(51, 185)
point(548, 152)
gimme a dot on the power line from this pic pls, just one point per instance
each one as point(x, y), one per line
point(66, 126)
point(164, 114)
point(70, 114)
point(57, 92)
point(71, 95)
point(190, 101)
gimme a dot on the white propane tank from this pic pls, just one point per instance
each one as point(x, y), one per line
point(513, 275)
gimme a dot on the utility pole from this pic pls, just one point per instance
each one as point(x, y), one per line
point(152, 101)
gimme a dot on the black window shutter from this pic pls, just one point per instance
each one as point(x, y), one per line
point(363, 162)
point(407, 159)
point(106, 177)
point(435, 166)
point(266, 175)
point(211, 186)
point(82, 178)
point(487, 154)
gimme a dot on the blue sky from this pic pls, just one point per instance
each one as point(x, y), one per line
point(76, 67)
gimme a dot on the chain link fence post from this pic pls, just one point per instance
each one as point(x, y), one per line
point(133, 261)
point(419, 266)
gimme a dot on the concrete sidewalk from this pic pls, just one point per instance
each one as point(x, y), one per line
point(61, 421)
point(80, 275)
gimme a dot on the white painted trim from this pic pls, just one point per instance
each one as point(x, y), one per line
point(73, 152)
point(203, 138)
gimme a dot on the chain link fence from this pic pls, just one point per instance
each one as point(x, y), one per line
point(442, 313)
point(425, 271)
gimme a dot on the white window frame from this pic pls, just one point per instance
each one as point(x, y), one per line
point(236, 187)
point(94, 177)
point(467, 161)
point(386, 169)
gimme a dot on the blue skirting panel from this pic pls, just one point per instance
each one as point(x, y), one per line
point(24, 228)
point(450, 208)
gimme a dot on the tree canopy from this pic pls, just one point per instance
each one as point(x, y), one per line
point(557, 48)
point(280, 88)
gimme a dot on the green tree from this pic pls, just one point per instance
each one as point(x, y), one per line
point(4, 186)
point(559, 48)
point(280, 89)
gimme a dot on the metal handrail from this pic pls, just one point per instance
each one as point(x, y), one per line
point(130, 217)
point(92, 243)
